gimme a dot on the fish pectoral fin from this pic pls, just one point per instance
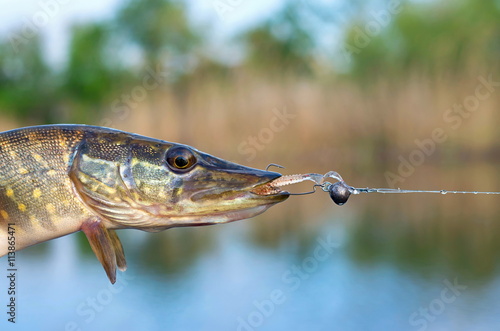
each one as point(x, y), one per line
point(106, 246)
point(119, 253)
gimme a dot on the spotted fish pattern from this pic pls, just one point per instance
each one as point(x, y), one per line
point(60, 179)
point(35, 190)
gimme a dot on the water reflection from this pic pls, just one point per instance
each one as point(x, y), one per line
point(390, 257)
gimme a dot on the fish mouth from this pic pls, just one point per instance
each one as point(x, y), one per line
point(228, 204)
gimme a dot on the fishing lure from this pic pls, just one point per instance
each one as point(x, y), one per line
point(340, 191)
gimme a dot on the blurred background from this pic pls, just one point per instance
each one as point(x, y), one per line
point(389, 94)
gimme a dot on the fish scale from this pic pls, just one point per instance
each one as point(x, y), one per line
point(31, 190)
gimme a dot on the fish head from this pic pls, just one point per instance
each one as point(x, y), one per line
point(158, 185)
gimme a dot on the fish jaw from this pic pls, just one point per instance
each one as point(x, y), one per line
point(224, 192)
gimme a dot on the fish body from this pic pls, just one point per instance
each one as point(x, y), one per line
point(60, 179)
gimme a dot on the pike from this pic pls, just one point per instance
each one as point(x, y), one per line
point(59, 179)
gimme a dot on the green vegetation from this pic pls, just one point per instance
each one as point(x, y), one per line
point(432, 38)
point(282, 44)
point(26, 83)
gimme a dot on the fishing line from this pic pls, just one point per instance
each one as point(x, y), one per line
point(398, 190)
point(340, 190)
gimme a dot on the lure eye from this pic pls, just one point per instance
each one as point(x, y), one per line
point(180, 158)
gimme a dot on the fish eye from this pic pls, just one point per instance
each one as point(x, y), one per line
point(180, 158)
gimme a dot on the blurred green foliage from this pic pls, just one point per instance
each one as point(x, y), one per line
point(95, 71)
point(281, 45)
point(92, 73)
point(159, 28)
point(26, 82)
point(106, 57)
point(432, 38)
